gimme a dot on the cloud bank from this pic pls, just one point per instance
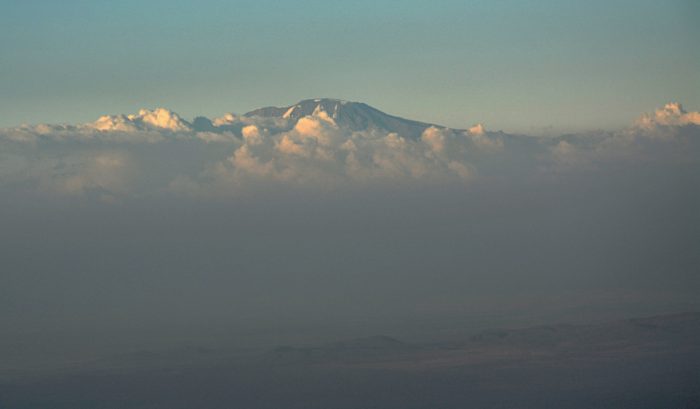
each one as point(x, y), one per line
point(336, 213)
point(158, 152)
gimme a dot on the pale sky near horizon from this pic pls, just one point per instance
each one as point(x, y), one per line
point(520, 66)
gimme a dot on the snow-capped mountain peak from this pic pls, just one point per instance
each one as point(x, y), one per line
point(355, 116)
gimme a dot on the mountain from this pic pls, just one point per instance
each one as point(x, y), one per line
point(644, 363)
point(641, 332)
point(631, 340)
point(160, 118)
point(355, 116)
point(348, 116)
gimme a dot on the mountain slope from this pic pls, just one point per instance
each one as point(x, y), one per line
point(355, 116)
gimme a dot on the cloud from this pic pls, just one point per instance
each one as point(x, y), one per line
point(215, 137)
point(148, 126)
point(477, 129)
point(233, 153)
point(251, 135)
point(672, 114)
point(159, 118)
point(670, 134)
point(102, 174)
point(566, 154)
point(435, 139)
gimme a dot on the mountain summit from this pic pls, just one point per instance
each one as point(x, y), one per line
point(355, 116)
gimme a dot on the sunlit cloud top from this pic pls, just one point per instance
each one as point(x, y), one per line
point(321, 144)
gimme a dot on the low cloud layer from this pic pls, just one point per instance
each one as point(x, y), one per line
point(336, 213)
point(158, 152)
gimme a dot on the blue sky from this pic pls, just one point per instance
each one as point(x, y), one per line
point(519, 66)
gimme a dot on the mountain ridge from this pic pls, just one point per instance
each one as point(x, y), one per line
point(347, 115)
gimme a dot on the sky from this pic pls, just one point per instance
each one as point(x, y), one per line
point(537, 67)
